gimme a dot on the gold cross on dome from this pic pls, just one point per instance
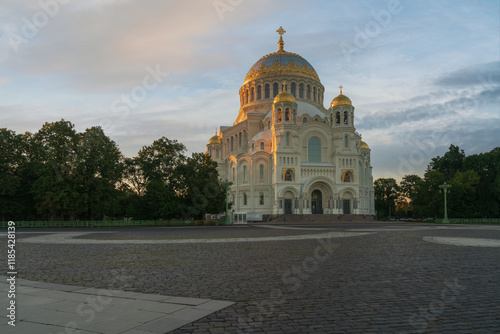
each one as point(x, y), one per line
point(281, 43)
point(283, 87)
point(281, 31)
point(341, 89)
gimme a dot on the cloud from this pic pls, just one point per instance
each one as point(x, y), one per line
point(483, 74)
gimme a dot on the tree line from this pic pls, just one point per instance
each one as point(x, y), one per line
point(475, 191)
point(58, 173)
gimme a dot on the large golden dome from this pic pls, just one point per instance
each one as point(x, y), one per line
point(341, 100)
point(284, 97)
point(281, 62)
point(363, 145)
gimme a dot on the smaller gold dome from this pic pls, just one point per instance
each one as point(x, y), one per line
point(364, 146)
point(215, 140)
point(341, 100)
point(284, 97)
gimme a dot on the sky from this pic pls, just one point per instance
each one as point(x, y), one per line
point(422, 75)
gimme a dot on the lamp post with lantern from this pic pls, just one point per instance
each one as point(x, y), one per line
point(227, 185)
point(445, 188)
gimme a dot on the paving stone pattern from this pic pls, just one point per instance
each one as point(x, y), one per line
point(390, 281)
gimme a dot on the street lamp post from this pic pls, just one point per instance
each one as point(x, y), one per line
point(446, 189)
point(227, 184)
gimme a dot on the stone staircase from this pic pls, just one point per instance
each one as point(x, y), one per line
point(289, 218)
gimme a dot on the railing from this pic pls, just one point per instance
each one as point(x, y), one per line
point(108, 223)
point(470, 220)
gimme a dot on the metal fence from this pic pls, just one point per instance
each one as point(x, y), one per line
point(471, 220)
point(108, 223)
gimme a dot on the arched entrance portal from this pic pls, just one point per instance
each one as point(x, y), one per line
point(288, 202)
point(316, 202)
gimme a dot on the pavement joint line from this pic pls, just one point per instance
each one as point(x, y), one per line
point(461, 241)
point(167, 314)
point(68, 238)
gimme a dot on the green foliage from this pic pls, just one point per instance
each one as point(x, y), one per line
point(11, 161)
point(451, 162)
point(475, 191)
point(475, 182)
point(386, 193)
point(60, 174)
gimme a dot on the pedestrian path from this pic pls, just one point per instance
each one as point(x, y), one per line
point(54, 308)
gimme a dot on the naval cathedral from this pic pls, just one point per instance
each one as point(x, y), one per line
point(286, 153)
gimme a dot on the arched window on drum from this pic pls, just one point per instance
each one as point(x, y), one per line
point(314, 150)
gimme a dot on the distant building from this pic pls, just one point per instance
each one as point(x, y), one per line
point(286, 153)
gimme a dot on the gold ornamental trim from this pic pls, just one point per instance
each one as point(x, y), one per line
point(345, 172)
point(277, 69)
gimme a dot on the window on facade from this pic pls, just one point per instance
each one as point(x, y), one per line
point(239, 139)
point(345, 117)
point(269, 125)
point(246, 96)
point(314, 150)
point(346, 142)
point(301, 91)
point(261, 199)
point(288, 175)
point(287, 115)
point(262, 146)
point(217, 153)
point(252, 94)
point(261, 172)
point(314, 93)
point(253, 147)
point(234, 176)
point(266, 91)
point(232, 144)
point(259, 92)
point(245, 199)
point(244, 173)
point(308, 92)
point(292, 89)
point(338, 117)
point(287, 139)
point(275, 89)
point(304, 120)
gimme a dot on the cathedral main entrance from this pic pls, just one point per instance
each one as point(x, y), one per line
point(288, 206)
point(347, 206)
point(316, 202)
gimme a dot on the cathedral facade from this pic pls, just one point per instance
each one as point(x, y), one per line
point(286, 153)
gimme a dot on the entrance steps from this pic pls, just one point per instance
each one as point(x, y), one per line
point(289, 218)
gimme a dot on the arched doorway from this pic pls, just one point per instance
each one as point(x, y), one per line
point(317, 202)
point(347, 202)
point(288, 209)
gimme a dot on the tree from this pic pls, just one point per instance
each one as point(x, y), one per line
point(160, 164)
point(98, 170)
point(10, 180)
point(201, 191)
point(386, 194)
point(462, 201)
point(407, 193)
point(160, 160)
point(450, 163)
point(427, 201)
point(54, 189)
point(487, 166)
